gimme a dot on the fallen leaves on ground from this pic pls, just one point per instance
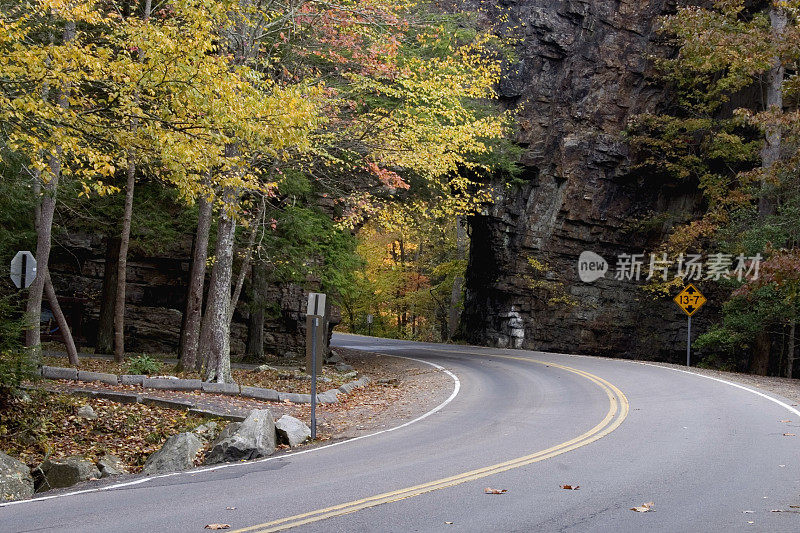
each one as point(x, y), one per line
point(217, 526)
point(644, 508)
point(489, 490)
point(570, 487)
point(789, 435)
point(785, 421)
point(49, 426)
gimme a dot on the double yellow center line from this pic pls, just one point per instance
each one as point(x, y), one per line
point(617, 411)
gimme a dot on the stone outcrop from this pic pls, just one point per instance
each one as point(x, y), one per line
point(178, 453)
point(156, 296)
point(16, 482)
point(582, 71)
point(251, 439)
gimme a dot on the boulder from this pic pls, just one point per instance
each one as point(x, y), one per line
point(343, 367)
point(111, 465)
point(58, 473)
point(333, 358)
point(291, 431)
point(251, 439)
point(206, 431)
point(86, 411)
point(177, 453)
point(16, 482)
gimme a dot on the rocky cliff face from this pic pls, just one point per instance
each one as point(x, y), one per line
point(582, 71)
point(156, 299)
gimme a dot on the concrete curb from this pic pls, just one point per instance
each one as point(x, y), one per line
point(171, 384)
point(231, 389)
point(54, 372)
point(102, 377)
point(221, 388)
point(257, 393)
point(132, 379)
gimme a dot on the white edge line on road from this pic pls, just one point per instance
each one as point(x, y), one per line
point(456, 389)
point(732, 384)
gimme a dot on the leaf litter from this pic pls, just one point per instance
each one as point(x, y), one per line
point(644, 508)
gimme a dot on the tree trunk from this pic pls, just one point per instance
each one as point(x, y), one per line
point(43, 220)
point(255, 325)
point(771, 152)
point(790, 350)
point(215, 337)
point(44, 233)
point(122, 262)
point(127, 215)
point(194, 299)
point(761, 352)
point(104, 343)
point(66, 333)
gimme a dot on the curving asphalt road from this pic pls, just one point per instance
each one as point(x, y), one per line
point(711, 455)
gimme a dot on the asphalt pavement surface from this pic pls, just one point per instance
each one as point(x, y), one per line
point(710, 456)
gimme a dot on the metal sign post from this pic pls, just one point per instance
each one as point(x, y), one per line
point(315, 321)
point(369, 325)
point(23, 269)
point(689, 343)
point(690, 300)
point(315, 314)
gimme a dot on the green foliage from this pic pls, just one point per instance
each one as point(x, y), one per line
point(16, 233)
point(407, 279)
point(15, 364)
point(301, 243)
point(142, 364)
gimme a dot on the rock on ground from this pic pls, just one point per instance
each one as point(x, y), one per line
point(333, 358)
point(86, 411)
point(60, 473)
point(111, 465)
point(251, 439)
point(206, 431)
point(177, 453)
point(292, 431)
point(16, 481)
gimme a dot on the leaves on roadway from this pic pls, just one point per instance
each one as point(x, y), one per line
point(570, 487)
point(489, 490)
point(645, 507)
point(217, 526)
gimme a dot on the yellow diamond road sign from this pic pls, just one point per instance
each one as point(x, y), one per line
point(690, 300)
